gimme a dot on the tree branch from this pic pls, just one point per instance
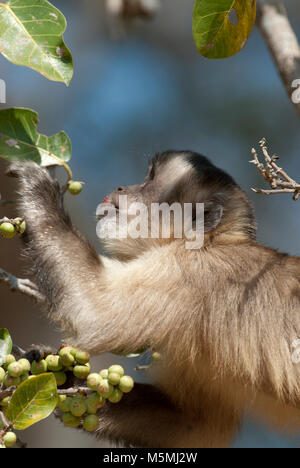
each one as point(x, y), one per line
point(274, 25)
point(24, 286)
point(278, 179)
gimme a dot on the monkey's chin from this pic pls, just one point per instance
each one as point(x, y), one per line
point(125, 249)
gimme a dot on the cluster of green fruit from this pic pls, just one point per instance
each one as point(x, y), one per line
point(10, 228)
point(109, 384)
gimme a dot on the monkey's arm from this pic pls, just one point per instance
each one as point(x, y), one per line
point(101, 307)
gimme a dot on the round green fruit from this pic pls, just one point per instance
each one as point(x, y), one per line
point(8, 359)
point(9, 439)
point(67, 359)
point(69, 420)
point(54, 363)
point(24, 377)
point(116, 368)
point(2, 374)
point(10, 381)
point(156, 356)
point(126, 384)
point(114, 378)
point(105, 388)
point(5, 402)
point(64, 403)
point(39, 367)
point(116, 396)
point(81, 372)
point(60, 377)
point(93, 381)
point(77, 407)
point(82, 357)
point(104, 373)
point(91, 423)
point(14, 369)
point(75, 188)
point(25, 365)
point(7, 230)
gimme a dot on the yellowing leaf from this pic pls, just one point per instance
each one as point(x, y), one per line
point(34, 400)
point(222, 27)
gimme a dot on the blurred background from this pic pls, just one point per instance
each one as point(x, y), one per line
point(140, 92)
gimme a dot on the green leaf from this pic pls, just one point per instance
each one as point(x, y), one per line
point(215, 34)
point(31, 34)
point(5, 344)
point(20, 141)
point(34, 400)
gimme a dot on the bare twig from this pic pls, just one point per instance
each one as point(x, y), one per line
point(75, 391)
point(24, 286)
point(278, 179)
point(274, 25)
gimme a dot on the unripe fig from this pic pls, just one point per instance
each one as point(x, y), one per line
point(116, 395)
point(82, 357)
point(116, 368)
point(64, 403)
point(8, 359)
point(14, 369)
point(67, 359)
point(61, 378)
point(75, 188)
point(91, 423)
point(67, 349)
point(2, 375)
point(10, 381)
point(81, 372)
point(25, 365)
point(126, 384)
point(9, 439)
point(7, 230)
point(24, 377)
point(39, 367)
point(54, 363)
point(5, 402)
point(156, 356)
point(69, 420)
point(114, 378)
point(105, 388)
point(77, 407)
point(94, 402)
point(93, 381)
point(104, 373)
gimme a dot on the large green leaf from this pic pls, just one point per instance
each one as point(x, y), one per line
point(34, 400)
point(5, 344)
point(20, 141)
point(215, 34)
point(31, 34)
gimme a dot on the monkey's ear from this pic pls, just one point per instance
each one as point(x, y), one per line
point(213, 214)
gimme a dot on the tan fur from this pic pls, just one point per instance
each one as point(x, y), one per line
point(223, 317)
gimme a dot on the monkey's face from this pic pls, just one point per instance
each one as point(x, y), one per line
point(181, 190)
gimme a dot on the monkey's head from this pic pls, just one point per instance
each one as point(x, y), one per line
point(183, 194)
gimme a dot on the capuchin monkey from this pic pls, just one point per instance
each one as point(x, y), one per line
point(224, 317)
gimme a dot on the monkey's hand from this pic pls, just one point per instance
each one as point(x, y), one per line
point(40, 196)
